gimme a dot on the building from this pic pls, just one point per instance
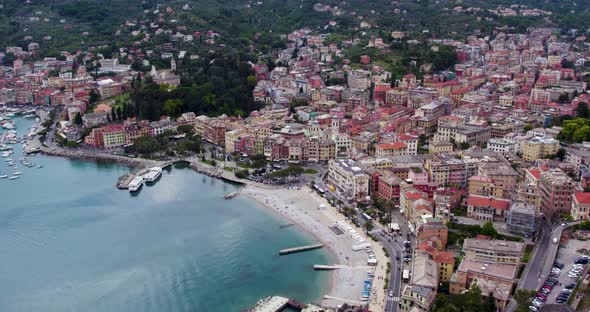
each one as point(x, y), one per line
point(484, 186)
point(108, 88)
point(556, 189)
point(501, 145)
point(424, 273)
point(391, 149)
point(91, 120)
point(348, 179)
point(112, 65)
point(581, 206)
point(435, 232)
point(495, 278)
point(493, 251)
point(522, 218)
point(538, 148)
point(359, 79)
point(215, 132)
point(113, 136)
point(490, 264)
point(487, 208)
point(416, 298)
point(440, 147)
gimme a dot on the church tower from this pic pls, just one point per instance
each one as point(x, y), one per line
point(173, 65)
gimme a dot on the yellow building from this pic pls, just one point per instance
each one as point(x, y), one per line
point(440, 147)
point(538, 148)
point(446, 264)
point(113, 136)
point(230, 139)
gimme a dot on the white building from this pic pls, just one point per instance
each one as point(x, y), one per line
point(349, 180)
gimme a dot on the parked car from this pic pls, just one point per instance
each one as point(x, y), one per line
point(570, 286)
point(558, 265)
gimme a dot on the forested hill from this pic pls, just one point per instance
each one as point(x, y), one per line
point(76, 24)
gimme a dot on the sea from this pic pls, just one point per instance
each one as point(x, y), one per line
point(71, 241)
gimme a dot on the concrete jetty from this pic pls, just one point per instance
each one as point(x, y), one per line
point(299, 249)
point(322, 267)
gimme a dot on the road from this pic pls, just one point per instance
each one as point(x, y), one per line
point(393, 245)
point(539, 267)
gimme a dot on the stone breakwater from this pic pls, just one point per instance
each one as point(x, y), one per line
point(100, 157)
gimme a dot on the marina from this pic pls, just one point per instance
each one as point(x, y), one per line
point(13, 144)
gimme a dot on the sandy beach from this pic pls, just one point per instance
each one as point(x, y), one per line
point(302, 208)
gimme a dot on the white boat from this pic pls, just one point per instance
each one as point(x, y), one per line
point(17, 173)
point(14, 177)
point(3, 176)
point(153, 174)
point(135, 184)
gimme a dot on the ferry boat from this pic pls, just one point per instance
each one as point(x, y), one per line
point(153, 174)
point(135, 184)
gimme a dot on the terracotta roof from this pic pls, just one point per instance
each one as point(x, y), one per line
point(396, 145)
point(483, 201)
point(405, 137)
point(583, 197)
point(536, 173)
point(443, 257)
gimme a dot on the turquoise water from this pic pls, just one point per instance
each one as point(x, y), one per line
point(70, 241)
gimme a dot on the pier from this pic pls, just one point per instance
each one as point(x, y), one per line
point(322, 267)
point(299, 249)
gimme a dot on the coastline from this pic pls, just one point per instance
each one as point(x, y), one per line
point(301, 208)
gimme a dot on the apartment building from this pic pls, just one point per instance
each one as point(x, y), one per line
point(581, 206)
point(556, 189)
point(349, 179)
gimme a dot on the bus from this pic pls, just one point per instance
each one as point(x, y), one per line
point(366, 217)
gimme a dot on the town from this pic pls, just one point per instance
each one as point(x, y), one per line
point(474, 178)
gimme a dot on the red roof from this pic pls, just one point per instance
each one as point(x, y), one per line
point(483, 201)
point(396, 145)
point(583, 197)
point(405, 137)
point(443, 257)
point(535, 173)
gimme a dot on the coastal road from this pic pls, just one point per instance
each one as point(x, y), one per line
point(393, 245)
point(395, 248)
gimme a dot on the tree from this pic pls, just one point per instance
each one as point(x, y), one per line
point(8, 59)
point(113, 114)
point(119, 113)
point(488, 229)
point(523, 299)
point(489, 304)
point(368, 226)
point(172, 107)
point(185, 128)
point(78, 119)
point(582, 134)
point(93, 97)
point(582, 110)
point(528, 127)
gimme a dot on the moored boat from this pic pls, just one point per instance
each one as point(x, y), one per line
point(135, 184)
point(153, 174)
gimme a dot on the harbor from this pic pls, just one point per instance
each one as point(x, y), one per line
point(14, 145)
point(68, 216)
